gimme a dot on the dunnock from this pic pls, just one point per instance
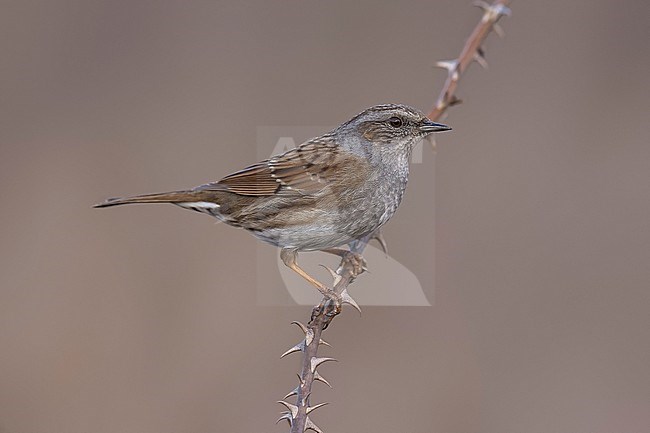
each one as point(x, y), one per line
point(327, 192)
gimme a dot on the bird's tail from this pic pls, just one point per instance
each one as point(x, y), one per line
point(165, 197)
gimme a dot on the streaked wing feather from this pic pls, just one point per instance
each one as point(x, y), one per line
point(303, 170)
point(254, 180)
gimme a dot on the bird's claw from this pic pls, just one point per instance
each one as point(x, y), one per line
point(332, 301)
point(358, 263)
point(330, 306)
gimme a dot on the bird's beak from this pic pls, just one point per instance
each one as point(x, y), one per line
point(427, 126)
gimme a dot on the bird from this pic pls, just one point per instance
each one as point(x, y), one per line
point(325, 193)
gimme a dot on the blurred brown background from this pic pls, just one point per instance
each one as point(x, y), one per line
point(135, 320)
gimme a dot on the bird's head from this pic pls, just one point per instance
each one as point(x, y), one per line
point(392, 125)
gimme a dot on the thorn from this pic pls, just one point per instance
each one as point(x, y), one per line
point(454, 101)
point(300, 347)
point(309, 333)
point(314, 407)
point(336, 277)
point(320, 378)
point(451, 66)
point(482, 5)
point(499, 30)
point(315, 362)
point(324, 343)
point(287, 416)
point(293, 392)
point(379, 237)
point(479, 57)
point(293, 410)
point(301, 326)
point(302, 382)
point(330, 270)
point(347, 299)
point(309, 425)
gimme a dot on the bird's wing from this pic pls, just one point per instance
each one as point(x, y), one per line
point(305, 169)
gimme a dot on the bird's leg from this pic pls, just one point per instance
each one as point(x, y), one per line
point(289, 257)
point(332, 301)
point(336, 251)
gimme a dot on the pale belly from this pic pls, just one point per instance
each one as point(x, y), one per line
point(310, 238)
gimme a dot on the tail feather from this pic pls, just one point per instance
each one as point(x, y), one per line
point(165, 197)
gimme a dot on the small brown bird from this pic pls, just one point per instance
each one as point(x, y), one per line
point(327, 192)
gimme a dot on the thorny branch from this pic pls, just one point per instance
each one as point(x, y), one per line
point(352, 263)
point(472, 51)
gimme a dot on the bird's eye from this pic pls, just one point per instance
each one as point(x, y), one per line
point(395, 122)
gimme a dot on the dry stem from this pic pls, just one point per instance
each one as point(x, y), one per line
point(349, 269)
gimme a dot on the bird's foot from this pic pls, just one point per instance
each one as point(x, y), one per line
point(358, 263)
point(330, 307)
point(333, 299)
point(356, 260)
